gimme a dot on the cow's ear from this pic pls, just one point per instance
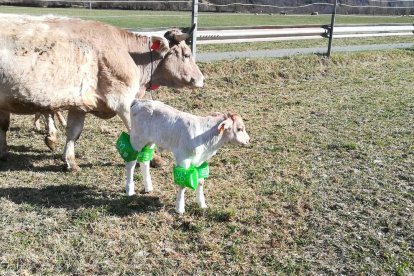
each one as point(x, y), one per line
point(160, 45)
point(225, 125)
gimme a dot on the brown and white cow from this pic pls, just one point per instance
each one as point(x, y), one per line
point(53, 63)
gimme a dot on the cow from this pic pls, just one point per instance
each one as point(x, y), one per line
point(49, 63)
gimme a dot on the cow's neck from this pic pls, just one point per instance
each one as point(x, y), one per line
point(149, 69)
point(144, 58)
point(136, 43)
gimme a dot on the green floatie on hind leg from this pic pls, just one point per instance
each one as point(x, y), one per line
point(188, 178)
point(128, 153)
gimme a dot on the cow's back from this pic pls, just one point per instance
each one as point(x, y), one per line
point(51, 63)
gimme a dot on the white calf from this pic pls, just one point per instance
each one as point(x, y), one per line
point(192, 139)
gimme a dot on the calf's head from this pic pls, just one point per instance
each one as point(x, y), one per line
point(234, 130)
point(178, 68)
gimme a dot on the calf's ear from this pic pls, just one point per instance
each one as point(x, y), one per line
point(159, 44)
point(225, 125)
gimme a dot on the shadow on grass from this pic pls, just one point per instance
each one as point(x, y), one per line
point(21, 158)
point(21, 148)
point(25, 161)
point(74, 197)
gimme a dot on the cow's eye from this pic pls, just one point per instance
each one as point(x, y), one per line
point(186, 55)
point(239, 129)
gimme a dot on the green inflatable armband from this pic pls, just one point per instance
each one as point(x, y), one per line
point(146, 154)
point(203, 171)
point(125, 149)
point(189, 178)
point(128, 153)
point(186, 178)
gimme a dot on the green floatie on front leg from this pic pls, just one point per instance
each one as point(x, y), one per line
point(128, 153)
point(188, 178)
point(146, 154)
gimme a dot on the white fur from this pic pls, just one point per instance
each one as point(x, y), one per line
point(192, 139)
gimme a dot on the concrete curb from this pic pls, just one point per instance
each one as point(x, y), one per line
point(207, 57)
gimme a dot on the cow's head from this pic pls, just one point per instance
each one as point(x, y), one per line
point(178, 68)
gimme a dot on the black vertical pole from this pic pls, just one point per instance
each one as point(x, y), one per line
point(194, 19)
point(332, 27)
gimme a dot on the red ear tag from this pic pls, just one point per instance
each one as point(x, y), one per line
point(154, 86)
point(155, 46)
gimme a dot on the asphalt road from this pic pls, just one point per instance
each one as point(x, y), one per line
point(206, 57)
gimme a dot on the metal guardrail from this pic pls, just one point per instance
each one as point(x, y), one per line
point(278, 33)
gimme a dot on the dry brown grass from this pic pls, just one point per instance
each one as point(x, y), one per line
point(325, 188)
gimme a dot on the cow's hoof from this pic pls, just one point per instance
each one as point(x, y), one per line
point(38, 127)
point(73, 168)
point(157, 162)
point(51, 143)
point(3, 156)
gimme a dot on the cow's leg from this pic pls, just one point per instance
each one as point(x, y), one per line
point(74, 128)
point(37, 123)
point(61, 119)
point(200, 194)
point(51, 132)
point(129, 169)
point(4, 127)
point(157, 161)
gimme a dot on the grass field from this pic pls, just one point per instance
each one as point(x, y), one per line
point(148, 19)
point(325, 188)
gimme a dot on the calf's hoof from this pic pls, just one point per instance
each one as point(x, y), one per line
point(157, 162)
point(51, 143)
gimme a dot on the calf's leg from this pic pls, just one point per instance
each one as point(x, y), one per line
point(129, 169)
point(4, 127)
point(200, 194)
point(76, 120)
point(180, 202)
point(145, 170)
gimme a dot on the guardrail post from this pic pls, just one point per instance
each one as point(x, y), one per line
point(332, 27)
point(194, 19)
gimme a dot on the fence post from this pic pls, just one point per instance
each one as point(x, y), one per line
point(194, 17)
point(332, 27)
